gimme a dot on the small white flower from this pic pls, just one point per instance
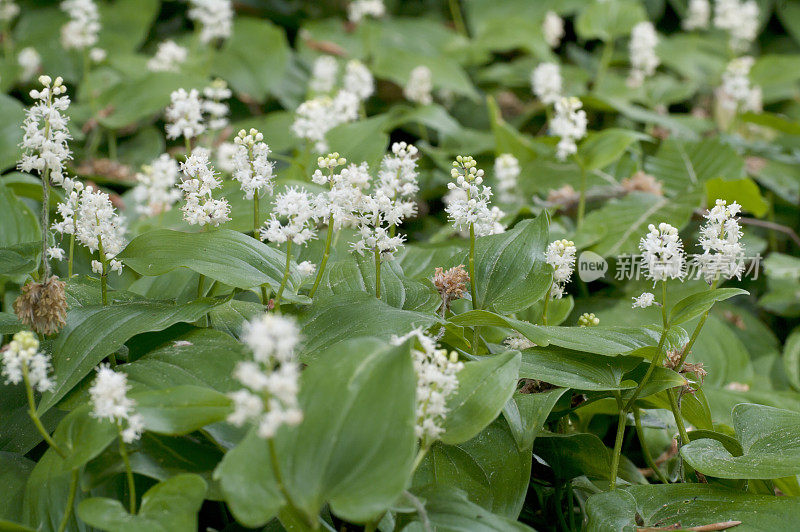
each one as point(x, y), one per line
point(68, 209)
point(723, 253)
point(662, 253)
point(22, 355)
point(169, 56)
point(560, 254)
point(358, 9)
point(55, 253)
point(588, 319)
point(214, 105)
point(643, 301)
point(200, 180)
point(84, 24)
point(698, 14)
point(8, 10)
point(358, 79)
point(184, 115)
point(45, 134)
point(31, 63)
point(306, 269)
point(644, 60)
point(518, 342)
point(569, 123)
point(155, 192)
point(251, 166)
point(552, 29)
point(546, 82)
point(506, 170)
point(315, 117)
point(437, 379)
point(272, 380)
point(215, 18)
point(324, 74)
point(740, 19)
point(98, 226)
point(226, 152)
point(292, 218)
point(110, 401)
point(97, 55)
point(471, 206)
point(419, 86)
point(737, 92)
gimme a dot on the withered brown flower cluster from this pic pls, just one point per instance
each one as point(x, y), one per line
point(42, 306)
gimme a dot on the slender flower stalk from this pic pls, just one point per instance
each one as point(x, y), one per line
point(560, 254)
point(252, 169)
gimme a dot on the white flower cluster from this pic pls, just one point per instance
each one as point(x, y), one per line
point(99, 228)
point(437, 378)
point(662, 253)
point(358, 79)
point(740, 19)
point(215, 18)
point(647, 299)
point(156, 190)
point(469, 202)
point(109, 396)
point(552, 29)
point(560, 254)
point(517, 342)
point(346, 190)
point(185, 115)
point(374, 214)
point(642, 47)
point(201, 208)
point(251, 167)
point(44, 141)
point(22, 356)
point(324, 73)
point(84, 24)
point(358, 9)
point(419, 86)
point(698, 13)
point(8, 10)
point(546, 83)
point(506, 170)
point(271, 379)
point(737, 92)
point(315, 117)
point(588, 319)
point(397, 177)
point(31, 63)
point(293, 218)
point(68, 209)
point(169, 56)
point(723, 253)
point(569, 123)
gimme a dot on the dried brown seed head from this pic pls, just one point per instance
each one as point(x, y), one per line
point(642, 182)
point(563, 196)
point(43, 306)
point(451, 284)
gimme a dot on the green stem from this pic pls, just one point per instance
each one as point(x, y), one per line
point(45, 222)
point(546, 302)
point(559, 496)
point(285, 274)
point(377, 273)
point(423, 450)
point(472, 290)
point(276, 470)
point(35, 417)
point(264, 300)
point(255, 215)
point(112, 144)
point(571, 505)
point(664, 303)
point(187, 142)
point(618, 442)
point(458, 18)
point(648, 458)
point(605, 61)
point(659, 350)
point(103, 272)
point(123, 451)
point(73, 487)
point(325, 256)
point(71, 254)
point(688, 347)
point(582, 198)
point(676, 412)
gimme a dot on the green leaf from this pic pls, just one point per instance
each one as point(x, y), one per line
point(354, 448)
point(14, 472)
point(483, 317)
point(182, 409)
point(93, 332)
point(83, 436)
point(526, 414)
point(769, 438)
point(791, 358)
point(690, 505)
point(609, 341)
point(364, 140)
point(694, 305)
point(10, 131)
point(351, 315)
point(682, 165)
point(489, 468)
point(20, 258)
point(572, 369)
point(601, 149)
point(510, 271)
point(18, 221)
point(224, 255)
point(744, 191)
point(484, 386)
point(125, 25)
point(449, 510)
point(169, 506)
point(253, 75)
point(609, 20)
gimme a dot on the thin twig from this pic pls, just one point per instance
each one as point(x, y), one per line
point(724, 525)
